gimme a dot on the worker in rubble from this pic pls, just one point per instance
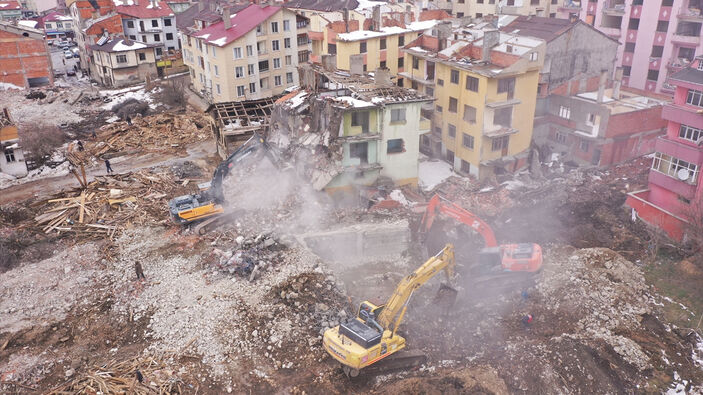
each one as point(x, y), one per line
point(139, 270)
point(93, 134)
point(80, 146)
point(526, 320)
point(129, 120)
point(108, 167)
point(140, 376)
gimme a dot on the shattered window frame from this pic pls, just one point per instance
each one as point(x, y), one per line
point(356, 151)
point(395, 146)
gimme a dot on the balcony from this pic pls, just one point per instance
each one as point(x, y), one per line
point(654, 63)
point(682, 39)
point(425, 125)
point(417, 77)
point(682, 114)
point(690, 14)
point(673, 184)
point(678, 64)
point(690, 153)
point(614, 9)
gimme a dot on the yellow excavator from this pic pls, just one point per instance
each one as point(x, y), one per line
point(372, 335)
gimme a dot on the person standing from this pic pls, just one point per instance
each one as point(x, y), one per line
point(139, 270)
point(526, 320)
point(108, 167)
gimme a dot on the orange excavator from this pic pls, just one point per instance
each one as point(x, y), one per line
point(519, 257)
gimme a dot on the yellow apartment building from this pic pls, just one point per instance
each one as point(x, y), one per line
point(485, 86)
point(251, 54)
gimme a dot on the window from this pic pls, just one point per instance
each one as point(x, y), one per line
point(250, 50)
point(700, 65)
point(252, 87)
point(264, 65)
point(303, 56)
point(662, 26)
point(584, 145)
point(217, 87)
point(275, 45)
point(167, 22)
point(694, 98)
point(260, 30)
point(199, 45)
point(286, 26)
point(634, 24)
point(500, 143)
point(121, 58)
point(264, 83)
point(240, 90)
point(630, 47)
point(401, 40)
point(400, 82)
point(690, 133)
point(362, 47)
point(383, 64)
point(657, 51)
point(214, 52)
point(10, 155)
point(465, 167)
point(169, 36)
point(154, 23)
point(454, 78)
point(289, 60)
point(239, 72)
point(565, 112)
point(360, 118)
point(450, 157)
point(673, 168)
point(159, 51)
point(201, 62)
point(130, 24)
point(506, 85)
point(469, 114)
point(453, 103)
point(157, 37)
point(416, 62)
point(133, 38)
point(237, 52)
point(277, 80)
point(274, 27)
point(534, 56)
point(286, 43)
point(653, 75)
point(440, 82)
point(359, 150)
point(472, 83)
point(626, 70)
point(250, 69)
point(460, 14)
point(383, 43)
point(451, 130)
point(395, 146)
point(413, 84)
point(438, 108)
point(401, 62)
point(332, 49)
point(142, 56)
point(560, 137)
point(261, 47)
point(503, 116)
point(398, 115)
point(277, 63)
point(289, 78)
point(467, 141)
point(590, 119)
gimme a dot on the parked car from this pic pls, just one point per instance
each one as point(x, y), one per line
point(68, 54)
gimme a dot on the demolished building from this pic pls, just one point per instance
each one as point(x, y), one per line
point(233, 123)
point(345, 131)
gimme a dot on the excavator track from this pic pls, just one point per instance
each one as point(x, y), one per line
point(208, 224)
point(401, 360)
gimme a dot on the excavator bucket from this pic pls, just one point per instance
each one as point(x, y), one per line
point(446, 296)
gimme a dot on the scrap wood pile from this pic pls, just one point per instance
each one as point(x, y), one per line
point(109, 204)
point(121, 378)
point(155, 133)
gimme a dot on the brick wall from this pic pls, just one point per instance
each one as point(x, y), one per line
point(22, 58)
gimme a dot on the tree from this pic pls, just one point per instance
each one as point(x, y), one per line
point(174, 93)
point(39, 141)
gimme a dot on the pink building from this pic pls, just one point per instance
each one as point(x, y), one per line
point(658, 38)
point(675, 195)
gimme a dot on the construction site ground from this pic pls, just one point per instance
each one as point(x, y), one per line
point(616, 309)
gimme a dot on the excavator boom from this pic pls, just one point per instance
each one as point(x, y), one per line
point(436, 205)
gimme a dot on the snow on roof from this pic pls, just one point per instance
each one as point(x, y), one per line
point(386, 31)
point(31, 24)
point(366, 4)
point(10, 5)
point(356, 103)
point(123, 46)
point(242, 23)
point(143, 9)
point(56, 17)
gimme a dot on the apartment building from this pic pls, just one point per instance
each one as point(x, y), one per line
point(57, 25)
point(93, 20)
point(25, 61)
point(10, 10)
point(368, 126)
point(251, 54)
point(482, 8)
point(658, 38)
point(120, 61)
point(151, 22)
point(673, 201)
point(485, 85)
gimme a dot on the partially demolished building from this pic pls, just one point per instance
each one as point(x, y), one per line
point(347, 131)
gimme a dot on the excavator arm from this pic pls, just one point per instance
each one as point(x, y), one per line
point(437, 205)
point(392, 314)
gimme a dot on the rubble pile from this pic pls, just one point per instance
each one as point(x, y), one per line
point(109, 203)
point(163, 132)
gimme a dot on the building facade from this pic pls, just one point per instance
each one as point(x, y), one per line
point(57, 25)
point(482, 8)
point(249, 55)
point(12, 159)
point(120, 62)
point(10, 10)
point(485, 86)
point(658, 38)
point(673, 201)
point(25, 61)
point(151, 22)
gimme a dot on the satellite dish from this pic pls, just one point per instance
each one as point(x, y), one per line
point(683, 174)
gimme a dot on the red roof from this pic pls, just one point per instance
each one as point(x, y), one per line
point(55, 17)
point(9, 5)
point(242, 23)
point(142, 9)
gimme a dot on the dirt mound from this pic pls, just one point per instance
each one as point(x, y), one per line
point(478, 380)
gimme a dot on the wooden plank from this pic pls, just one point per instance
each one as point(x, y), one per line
point(81, 213)
point(60, 200)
